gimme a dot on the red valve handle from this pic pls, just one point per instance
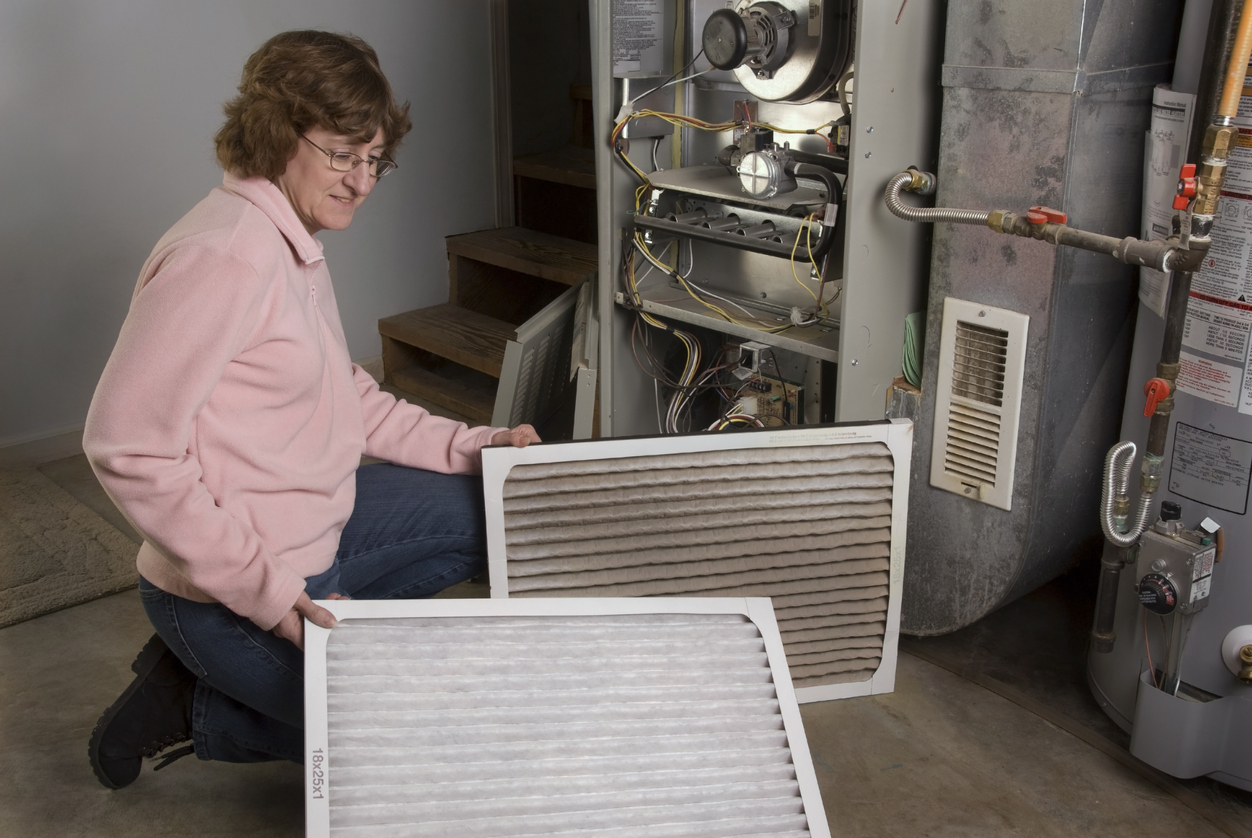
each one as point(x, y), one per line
point(1157, 390)
point(1042, 215)
point(1186, 187)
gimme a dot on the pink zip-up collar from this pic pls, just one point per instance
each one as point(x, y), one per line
point(266, 197)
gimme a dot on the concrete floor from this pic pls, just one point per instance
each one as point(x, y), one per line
point(990, 731)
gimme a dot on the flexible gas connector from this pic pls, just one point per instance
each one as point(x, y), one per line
point(923, 183)
point(1118, 527)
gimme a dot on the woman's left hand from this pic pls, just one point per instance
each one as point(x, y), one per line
point(518, 437)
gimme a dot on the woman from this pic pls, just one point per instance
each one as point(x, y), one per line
point(229, 424)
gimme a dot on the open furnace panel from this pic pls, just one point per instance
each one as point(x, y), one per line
point(743, 151)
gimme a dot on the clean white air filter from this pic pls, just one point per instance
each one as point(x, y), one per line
point(813, 517)
point(613, 718)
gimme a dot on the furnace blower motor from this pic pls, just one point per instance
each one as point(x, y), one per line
point(781, 50)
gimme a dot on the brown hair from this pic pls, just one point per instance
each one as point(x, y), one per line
point(300, 80)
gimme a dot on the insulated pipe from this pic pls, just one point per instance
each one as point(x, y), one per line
point(834, 197)
point(839, 165)
point(1228, 107)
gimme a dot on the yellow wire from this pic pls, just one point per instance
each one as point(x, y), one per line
point(682, 120)
point(808, 222)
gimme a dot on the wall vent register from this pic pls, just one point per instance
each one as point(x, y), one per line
point(982, 359)
point(812, 517)
point(595, 717)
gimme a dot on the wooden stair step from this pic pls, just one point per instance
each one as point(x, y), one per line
point(530, 252)
point(471, 339)
point(469, 393)
point(571, 165)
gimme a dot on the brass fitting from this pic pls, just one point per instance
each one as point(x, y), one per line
point(1219, 140)
point(1245, 658)
point(1211, 173)
point(921, 183)
point(1150, 472)
point(1169, 372)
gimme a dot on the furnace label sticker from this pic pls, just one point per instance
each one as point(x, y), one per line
point(1210, 379)
point(638, 37)
point(1210, 468)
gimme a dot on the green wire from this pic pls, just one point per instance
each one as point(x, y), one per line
point(914, 343)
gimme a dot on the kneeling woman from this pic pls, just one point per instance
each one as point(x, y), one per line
point(230, 422)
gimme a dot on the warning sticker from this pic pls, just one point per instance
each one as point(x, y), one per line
point(1210, 468)
point(1210, 380)
point(1225, 272)
point(638, 37)
point(1219, 311)
point(1212, 327)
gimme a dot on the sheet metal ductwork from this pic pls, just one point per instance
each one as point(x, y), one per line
point(1044, 103)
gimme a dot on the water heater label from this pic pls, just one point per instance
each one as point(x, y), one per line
point(1210, 468)
point(1213, 327)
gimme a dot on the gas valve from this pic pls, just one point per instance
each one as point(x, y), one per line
point(1044, 215)
point(1157, 391)
point(1175, 565)
point(1186, 187)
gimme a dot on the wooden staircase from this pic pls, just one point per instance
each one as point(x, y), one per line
point(451, 354)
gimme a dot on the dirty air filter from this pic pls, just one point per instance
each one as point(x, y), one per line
point(812, 517)
point(592, 717)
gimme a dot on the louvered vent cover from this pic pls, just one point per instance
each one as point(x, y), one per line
point(982, 359)
point(535, 374)
point(613, 718)
point(812, 517)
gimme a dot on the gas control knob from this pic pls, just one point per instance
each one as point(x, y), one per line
point(1170, 510)
point(1157, 594)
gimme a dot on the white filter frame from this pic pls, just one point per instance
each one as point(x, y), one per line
point(896, 434)
point(317, 756)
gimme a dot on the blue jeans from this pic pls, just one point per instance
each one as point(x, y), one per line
point(412, 533)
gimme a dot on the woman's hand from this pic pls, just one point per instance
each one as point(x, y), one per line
point(291, 626)
point(518, 437)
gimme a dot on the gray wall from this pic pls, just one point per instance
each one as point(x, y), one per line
point(107, 114)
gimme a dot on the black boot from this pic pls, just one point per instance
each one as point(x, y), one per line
point(152, 714)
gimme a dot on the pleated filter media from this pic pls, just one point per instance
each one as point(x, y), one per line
point(613, 718)
point(813, 518)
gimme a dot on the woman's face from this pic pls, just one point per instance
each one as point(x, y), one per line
point(322, 197)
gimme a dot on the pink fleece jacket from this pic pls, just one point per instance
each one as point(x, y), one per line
point(229, 422)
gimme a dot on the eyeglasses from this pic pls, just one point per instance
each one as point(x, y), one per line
point(346, 161)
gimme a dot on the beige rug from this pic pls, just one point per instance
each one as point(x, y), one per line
point(55, 552)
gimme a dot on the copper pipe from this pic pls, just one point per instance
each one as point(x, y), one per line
point(1237, 68)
